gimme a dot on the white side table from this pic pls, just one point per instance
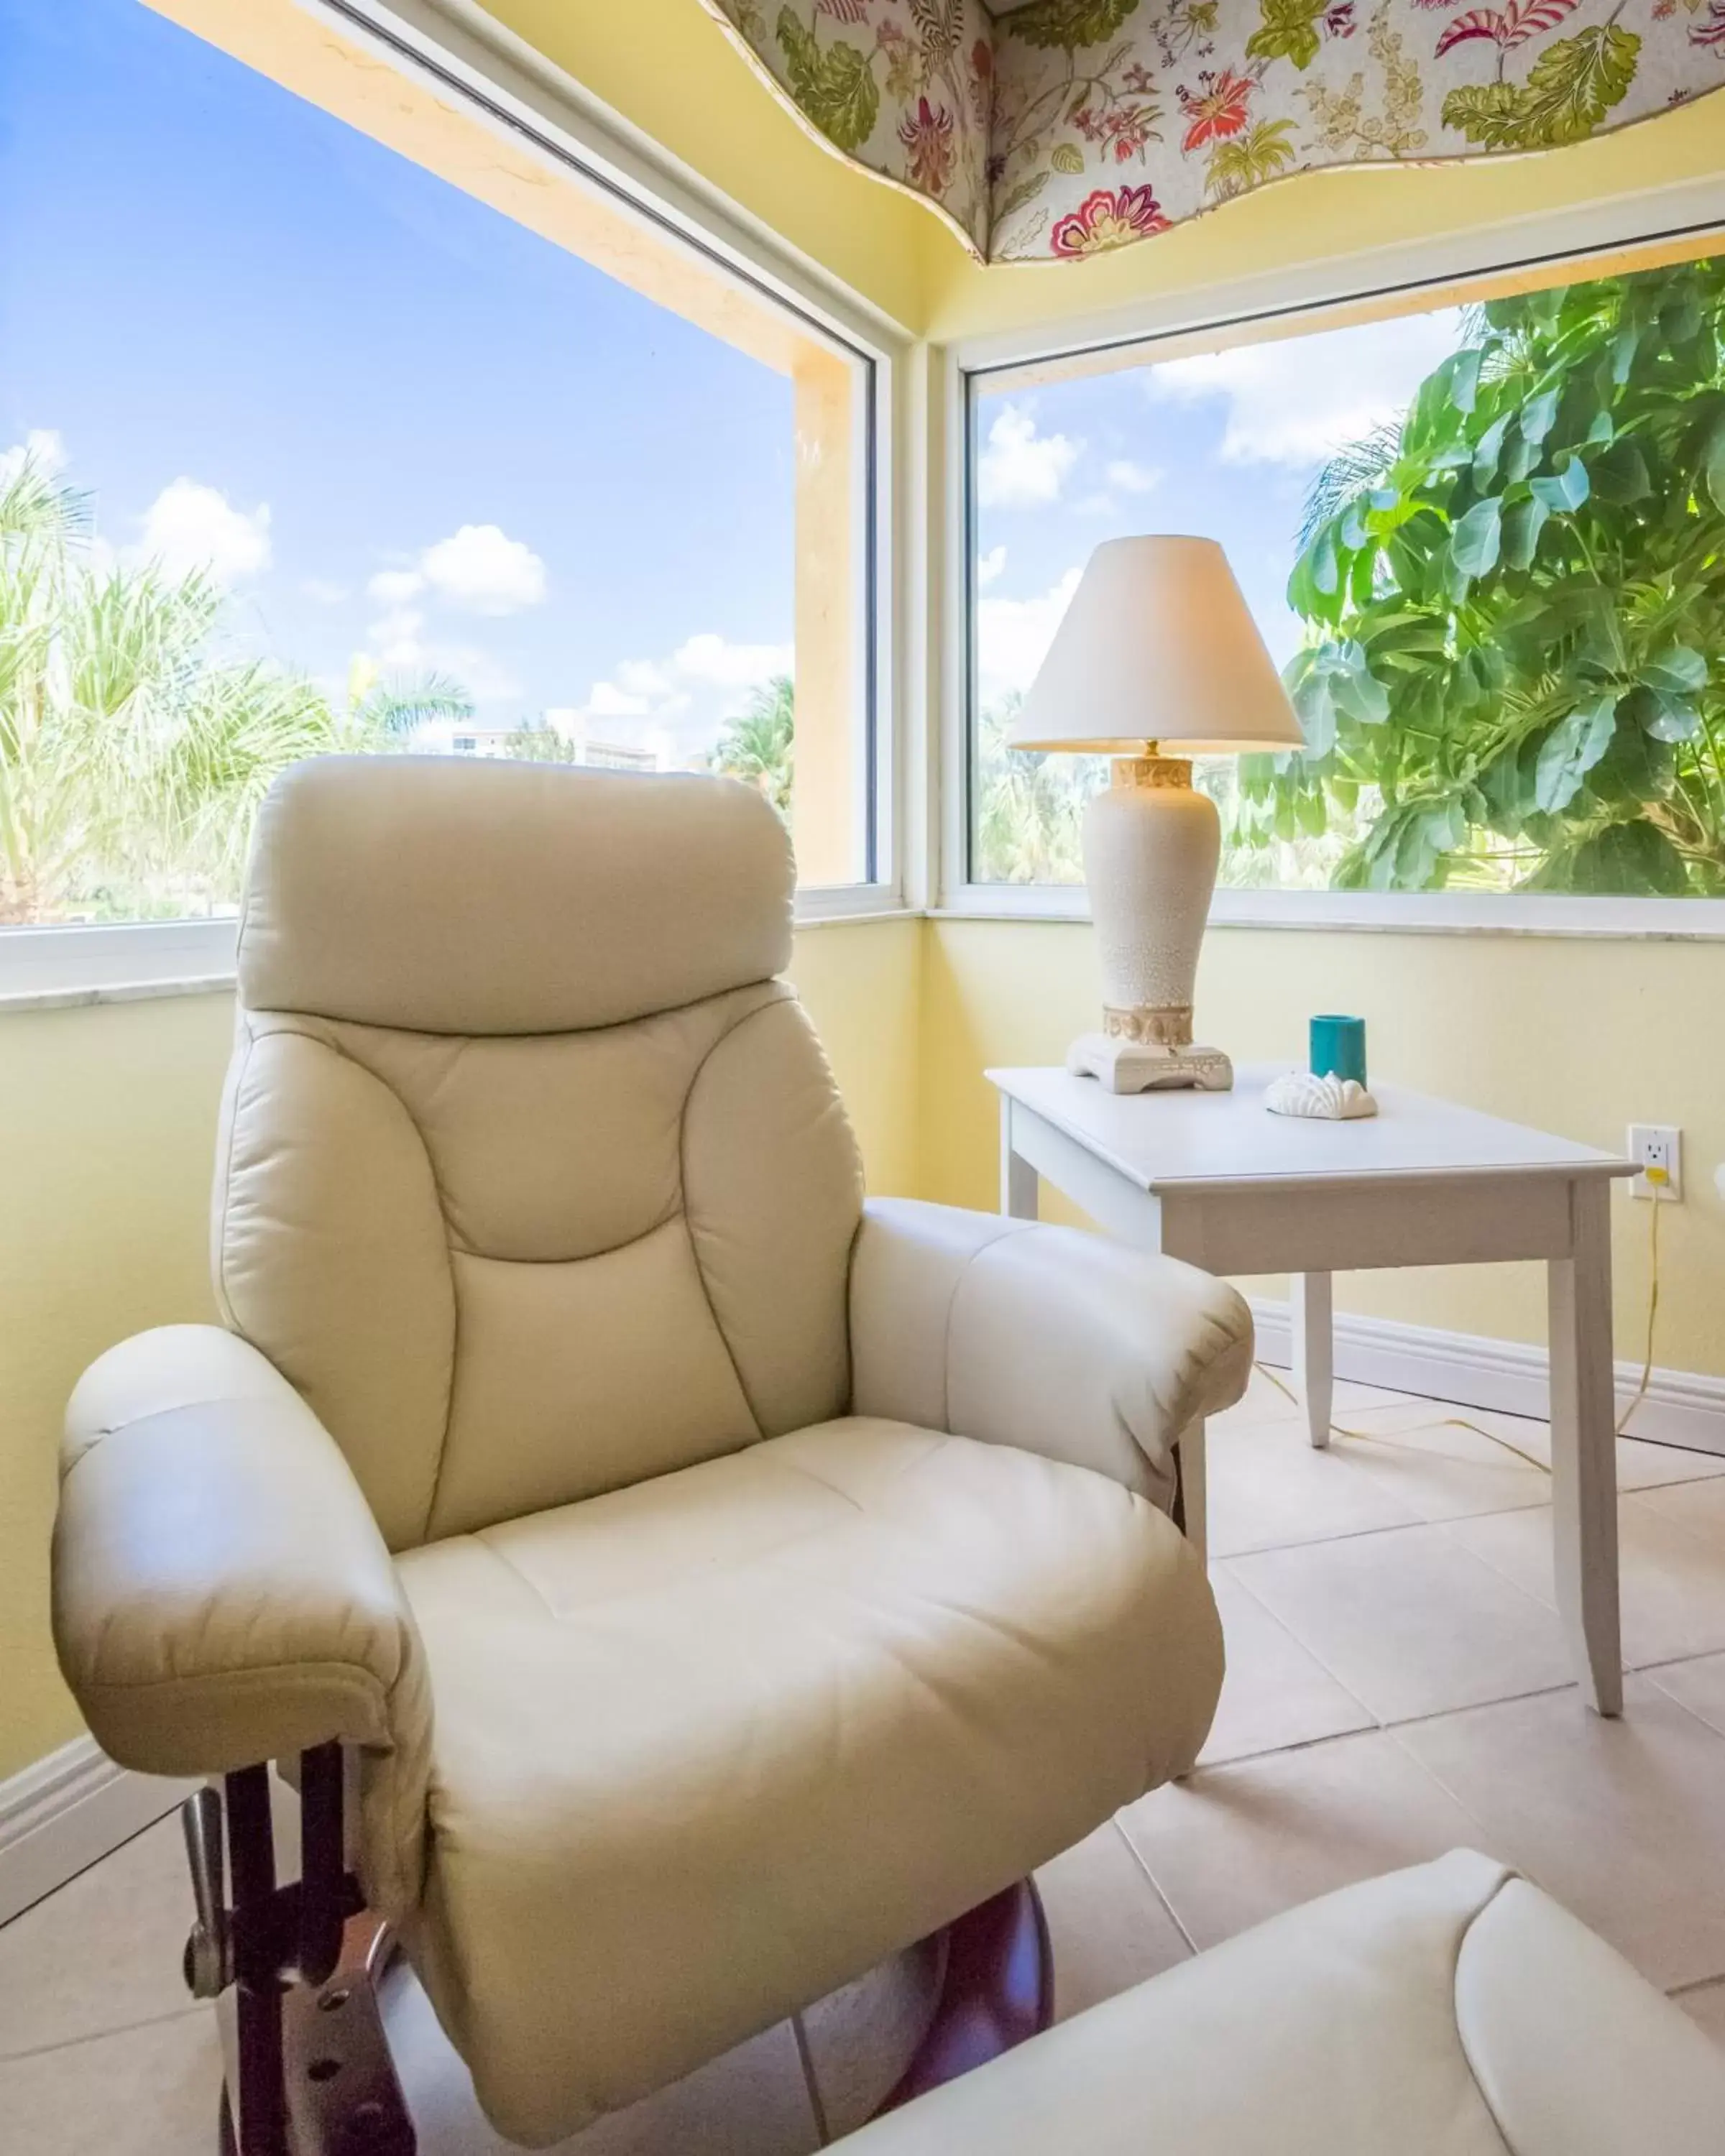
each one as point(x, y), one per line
point(1216, 1179)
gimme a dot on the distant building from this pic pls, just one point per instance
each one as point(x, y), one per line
point(445, 737)
point(610, 755)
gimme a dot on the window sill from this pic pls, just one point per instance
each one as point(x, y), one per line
point(1425, 913)
point(114, 992)
point(68, 968)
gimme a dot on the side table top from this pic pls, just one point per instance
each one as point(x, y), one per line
point(1190, 1141)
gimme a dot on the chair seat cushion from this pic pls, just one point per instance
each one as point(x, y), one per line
point(708, 1747)
point(1452, 2010)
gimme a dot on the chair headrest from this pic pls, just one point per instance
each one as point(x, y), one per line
point(446, 895)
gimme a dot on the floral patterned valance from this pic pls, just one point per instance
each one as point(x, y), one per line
point(1064, 127)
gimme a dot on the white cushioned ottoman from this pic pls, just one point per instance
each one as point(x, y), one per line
point(1452, 2010)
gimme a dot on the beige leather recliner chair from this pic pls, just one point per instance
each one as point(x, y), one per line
point(578, 1452)
point(1453, 2010)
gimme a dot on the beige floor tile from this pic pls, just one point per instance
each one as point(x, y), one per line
point(1699, 1506)
point(1410, 1623)
point(102, 1954)
point(1276, 1398)
point(1442, 1464)
point(1622, 1820)
point(1265, 1401)
point(1698, 1684)
point(1109, 1927)
point(1640, 1465)
point(753, 2101)
point(1705, 2005)
point(1673, 1573)
point(1234, 1845)
point(1269, 1488)
point(1275, 1693)
point(144, 2091)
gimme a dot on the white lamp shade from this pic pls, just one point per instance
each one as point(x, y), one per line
point(1157, 646)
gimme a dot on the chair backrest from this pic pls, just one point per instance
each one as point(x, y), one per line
point(532, 1177)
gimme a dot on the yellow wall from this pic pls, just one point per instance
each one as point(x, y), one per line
point(106, 1141)
point(1576, 1036)
point(668, 67)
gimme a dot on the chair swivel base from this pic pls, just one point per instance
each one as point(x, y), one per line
point(311, 2073)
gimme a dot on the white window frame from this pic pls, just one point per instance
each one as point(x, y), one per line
point(1308, 297)
point(511, 88)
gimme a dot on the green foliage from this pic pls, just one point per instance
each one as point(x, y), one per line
point(1515, 602)
point(1066, 25)
point(1028, 807)
point(133, 752)
point(1571, 87)
point(832, 85)
point(1248, 160)
point(1287, 29)
point(758, 744)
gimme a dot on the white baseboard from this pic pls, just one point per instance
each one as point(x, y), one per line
point(64, 1813)
point(1679, 1409)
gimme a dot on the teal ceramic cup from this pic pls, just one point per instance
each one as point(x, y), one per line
point(1338, 1048)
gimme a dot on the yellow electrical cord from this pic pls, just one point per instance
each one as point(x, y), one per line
point(1657, 1176)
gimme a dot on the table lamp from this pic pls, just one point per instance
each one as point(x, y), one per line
point(1156, 660)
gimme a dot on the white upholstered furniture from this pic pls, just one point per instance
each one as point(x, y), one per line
point(720, 1582)
point(1216, 1179)
point(1450, 2010)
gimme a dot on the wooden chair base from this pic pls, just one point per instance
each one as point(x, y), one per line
point(315, 2076)
point(997, 1992)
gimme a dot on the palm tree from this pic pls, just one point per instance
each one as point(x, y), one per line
point(758, 743)
point(133, 754)
point(1030, 808)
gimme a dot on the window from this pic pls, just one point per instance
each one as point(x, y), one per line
point(304, 448)
point(1486, 542)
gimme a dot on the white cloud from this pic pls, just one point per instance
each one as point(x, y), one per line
point(1013, 635)
point(643, 678)
point(1297, 401)
point(674, 705)
point(43, 446)
point(1021, 469)
point(395, 641)
point(726, 665)
point(482, 568)
point(1134, 478)
point(395, 644)
point(608, 700)
point(191, 527)
point(990, 566)
point(395, 587)
point(323, 592)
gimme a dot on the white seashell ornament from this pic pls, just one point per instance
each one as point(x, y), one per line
point(1332, 1100)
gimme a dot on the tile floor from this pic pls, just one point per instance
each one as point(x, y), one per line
point(1395, 1686)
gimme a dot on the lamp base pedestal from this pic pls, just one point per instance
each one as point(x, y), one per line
point(1141, 1066)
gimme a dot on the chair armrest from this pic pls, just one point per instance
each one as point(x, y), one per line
point(1050, 1339)
point(222, 1595)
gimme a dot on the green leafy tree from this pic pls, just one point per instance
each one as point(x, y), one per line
point(133, 752)
point(1515, 602)
point(758, 743)
point(1029, 807)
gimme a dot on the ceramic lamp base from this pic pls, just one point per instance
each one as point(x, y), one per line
point(1138, 1066)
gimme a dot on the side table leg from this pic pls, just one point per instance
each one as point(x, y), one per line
point(1018, 1181)
point(1584, 1447)
point(1312, 1317)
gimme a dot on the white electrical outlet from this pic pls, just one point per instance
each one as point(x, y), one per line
point(1657, 1145)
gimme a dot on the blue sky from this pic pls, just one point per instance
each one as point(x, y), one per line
point(256, 334)
point(1223, 445)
